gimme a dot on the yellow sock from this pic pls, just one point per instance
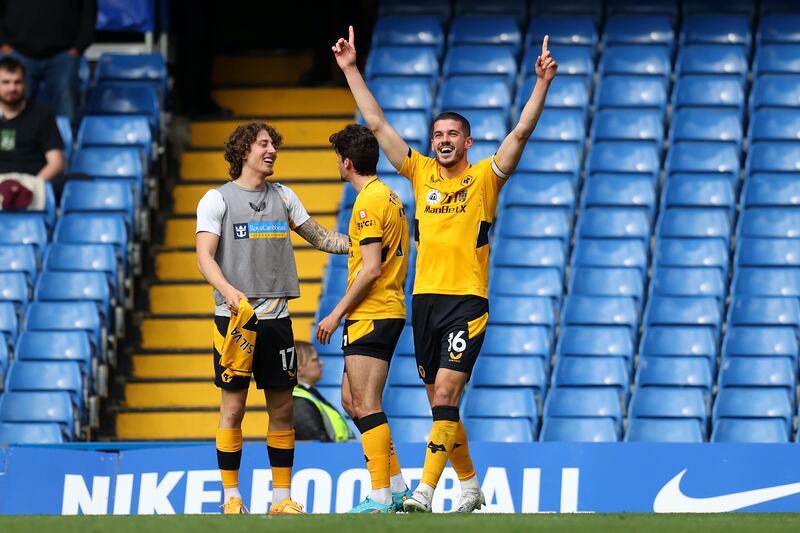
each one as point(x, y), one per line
point(459, 457)
point(229, 455)
point(376, 443)
point(443, 436)
point(280, 447)
point(394, 463)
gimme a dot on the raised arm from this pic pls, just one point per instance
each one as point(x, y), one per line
point(390, 141)
point(322, 239)
point(510, 152)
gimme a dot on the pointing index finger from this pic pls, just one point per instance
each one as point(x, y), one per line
point(352, 38)
point(544, 44)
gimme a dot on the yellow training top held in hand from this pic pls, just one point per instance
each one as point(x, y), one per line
point(239, 344)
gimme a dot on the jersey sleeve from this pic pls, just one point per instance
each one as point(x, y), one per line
point(297, 212)
point(368, 214)
point(210, 211)
point(492, 182)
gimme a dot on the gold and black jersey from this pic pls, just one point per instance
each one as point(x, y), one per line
point(452, 224)
point(378, 216)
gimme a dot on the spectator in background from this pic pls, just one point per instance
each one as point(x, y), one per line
point(30, 143)
point(315, 418)
point(49, 37)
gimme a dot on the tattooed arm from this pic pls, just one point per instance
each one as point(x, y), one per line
point(322, 239)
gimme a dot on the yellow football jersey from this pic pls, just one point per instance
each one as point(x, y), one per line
point(452, 224)
point(378, 216)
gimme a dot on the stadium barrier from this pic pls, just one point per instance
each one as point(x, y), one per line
point(526, 478)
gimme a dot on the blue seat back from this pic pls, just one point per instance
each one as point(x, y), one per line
point(115, 130)
point(663, 430)
point(409, 30)
point(126, 99)
point(624, 157)
point(716, 29)
point(517, 281)
point(631, 253)
point(577, 402)
point(599, 341)
point(764, 430)
point(628, 60)
point(578, 430)
point(500, 429)
point(19, 258)
point(501, 402)
point(23, 228)
point(579, 30)
point(409, 429)
point(777, 59)
point(675, 372)
point(132, 67)
point(474, 92)
point(720, 60)
point(762, 341)
point(782, 91)
point(53, 407)
point(61, 316)
point(522, 310)
point(43, 433)
point(14, 288)
point(48, 376)
point(639, 30)
point(388, 61)
point(406, 401)
point(402, 94)
point(708, 91)
point(479, 60)
point(637, 92)
point(485, 31)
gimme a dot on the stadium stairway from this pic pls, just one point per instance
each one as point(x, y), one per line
point(169, 394)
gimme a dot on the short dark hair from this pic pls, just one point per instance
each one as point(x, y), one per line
point(450, 115)
point(238, 145)
point(12, 64)
point(358, 144)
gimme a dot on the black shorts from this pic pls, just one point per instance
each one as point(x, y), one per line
point(448, 332)
point(274, 361)
point(375, 338)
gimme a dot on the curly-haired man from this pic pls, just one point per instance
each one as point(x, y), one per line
point(245, 252)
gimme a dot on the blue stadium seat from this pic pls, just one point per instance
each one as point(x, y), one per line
point(576, 61)
point(111, 130)
point(538, 191)
point(516, 8)
point(483, 150)
point(684, 311)
point(126, 99)
point(768, 252)
point(578, 430)
point(486, 124)
point(639, 30)
point(614, 223)
point(764, 311)
point(769, 222)
point(699, 191)
point(759, 430)
point(333, 368)
point(716, 29)
point(716, 59)
point(702, 157)
point(675, 372)
point(600, 311)
point(407, 401)
point(584, 402)
point(599, 341)
point(775, 125)
point(627, 191)
point(500, 429)
point(708, 91)
point(405, 345)
point(480, 61)
point(440, 8)
point(517, 341)
point(783, 28)
point(147, 68)
point(393, 61)
point(14, 288)
point(94, 229)
point(670, 402)
point(778, 372)
point(668, 8)
point(403, 372)
point(623, 157)
point(521, 310)
point(766, 282)
point(694, 223)
point(691, 253)
point(501, 371)
point(607, 282)
point(763, 341)
point(100, 196)
point(29, 376)
point(501, 402)
point(548, 253)
point(85, 258)
point(61, 316)
point(48, 433)
point(754, 402)
point(76, 287)
point(630, 253)
point(409, 429)
point(679, 342)
point(776, 59)
point(9, 324)
point(663, 430)
point(402, 94)
point(567, 125)
point(409, 30)
point(474, 92)
point(628, 125)
point(485, 31)
point(775, 91)
point(522, 281)
point(531, 222)
point(636, 60)
point(571, 93)
point(121, 162)
point(593, 8)
point(23, 228)
point(679, 281)
point(411, 125)
point(39, 407)
point(592, 372)
point(578, 30)
point(707, 125)
point(637, 92)
point(773, 157)
point(19, 258)
point(716, 7)
point(56, 346)
point(550, 158)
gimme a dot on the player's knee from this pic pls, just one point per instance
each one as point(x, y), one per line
point(349, 408)
point(281, 411)
point(446, 394)
point(232, 414)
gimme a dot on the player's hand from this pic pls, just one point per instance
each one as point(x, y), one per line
point(345, 51)
point(546, 66)
point(326, 327)
point(232, 299)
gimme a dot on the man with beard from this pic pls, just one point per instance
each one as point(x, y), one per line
point(456, 203)
point(30, 143)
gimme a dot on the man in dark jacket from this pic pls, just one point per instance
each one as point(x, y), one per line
point(49, 38)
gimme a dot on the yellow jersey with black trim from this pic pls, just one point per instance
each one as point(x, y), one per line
point(451, 224)
point(378, 216)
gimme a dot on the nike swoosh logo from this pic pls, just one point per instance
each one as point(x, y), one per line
point(670, 499)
